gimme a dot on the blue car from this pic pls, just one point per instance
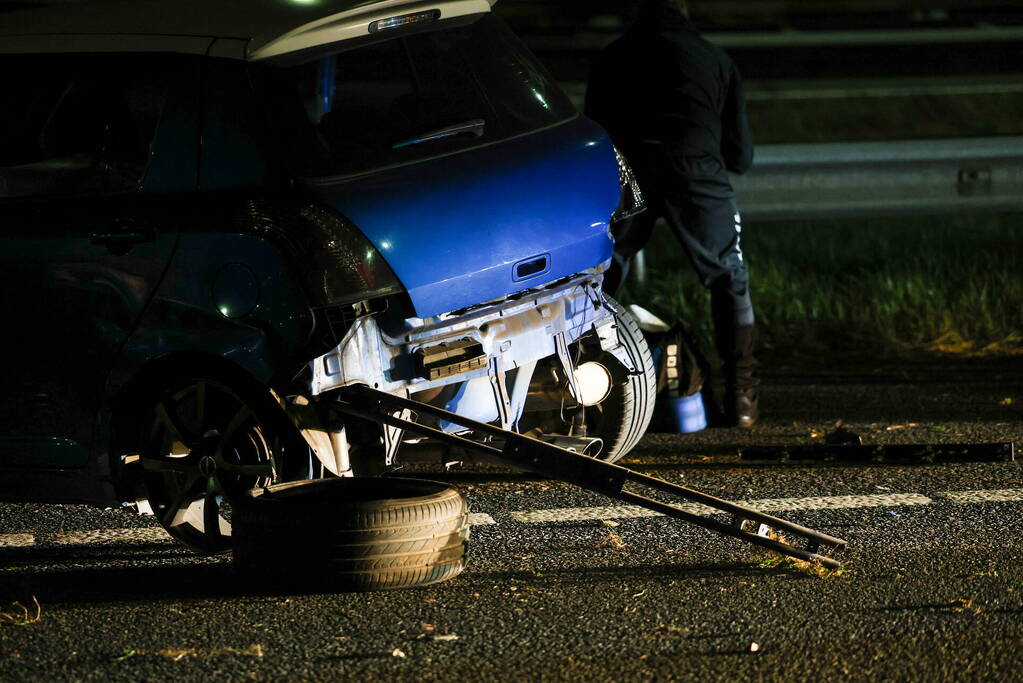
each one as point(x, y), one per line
point(216, 216)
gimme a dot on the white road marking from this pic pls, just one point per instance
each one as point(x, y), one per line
point(1000, 496)
point(17, 540)
point(584, 514)
point(578, 514)
point(100, 536)
point(764, 505)
point(839, 502)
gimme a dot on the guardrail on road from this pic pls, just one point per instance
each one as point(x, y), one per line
point(836, 180)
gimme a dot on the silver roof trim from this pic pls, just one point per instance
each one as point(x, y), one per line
point(355, 23)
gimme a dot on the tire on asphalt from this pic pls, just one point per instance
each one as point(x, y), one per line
point(353, 534)
point(623, 417)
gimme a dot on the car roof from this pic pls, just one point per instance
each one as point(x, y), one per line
point(268, 27)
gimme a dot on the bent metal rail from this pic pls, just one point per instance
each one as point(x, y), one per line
point(531, 455)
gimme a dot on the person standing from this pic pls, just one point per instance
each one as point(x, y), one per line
point(673, 104)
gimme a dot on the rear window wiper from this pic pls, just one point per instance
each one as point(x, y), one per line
point(472, 127)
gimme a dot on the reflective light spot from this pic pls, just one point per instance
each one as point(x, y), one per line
point(385, 245)
point(540, 98)
point(598, 224)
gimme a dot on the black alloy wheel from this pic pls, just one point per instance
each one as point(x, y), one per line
point(206, 446)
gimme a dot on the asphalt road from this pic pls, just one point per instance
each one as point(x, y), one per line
point(932, 587)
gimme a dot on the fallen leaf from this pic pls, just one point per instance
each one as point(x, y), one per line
point(176, 655)
point(1007, 401)
point(612, 540)
point(964, 604)
point(892, 428)
point(427, 628)
point(608, 522)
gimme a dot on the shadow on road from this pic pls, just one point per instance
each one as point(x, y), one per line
point(56, 577)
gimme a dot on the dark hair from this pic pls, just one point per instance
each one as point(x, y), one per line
point(658, 10)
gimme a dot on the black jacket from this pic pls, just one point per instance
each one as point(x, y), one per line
point(662, 82)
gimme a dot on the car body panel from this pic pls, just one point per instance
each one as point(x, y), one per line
point(454, 228)
point(75, 301)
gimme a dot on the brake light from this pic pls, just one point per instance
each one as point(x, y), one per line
point(404, 20)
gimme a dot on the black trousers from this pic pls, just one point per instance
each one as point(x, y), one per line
point(696, 199)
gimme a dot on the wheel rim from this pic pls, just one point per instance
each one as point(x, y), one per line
point(206, 448)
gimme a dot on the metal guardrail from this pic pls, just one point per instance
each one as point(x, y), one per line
point(860, 179)
point(836, 180)
point(589, 41)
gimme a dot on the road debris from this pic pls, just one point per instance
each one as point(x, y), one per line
point(20, 615)
point(815, 569)
point(178, 654)
point(397, 652)
point(448, 638)
point(754, 647)
point(612, 540)
point(531, 455)
point(966, 605)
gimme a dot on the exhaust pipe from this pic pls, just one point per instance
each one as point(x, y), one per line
point(584, 445)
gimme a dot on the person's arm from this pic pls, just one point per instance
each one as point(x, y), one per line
point(736, 142)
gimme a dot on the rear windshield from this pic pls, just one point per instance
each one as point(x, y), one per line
point(417, 96)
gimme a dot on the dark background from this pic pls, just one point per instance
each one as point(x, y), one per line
point(837, 71)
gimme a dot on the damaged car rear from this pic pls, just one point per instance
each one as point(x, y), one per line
point(209, 238)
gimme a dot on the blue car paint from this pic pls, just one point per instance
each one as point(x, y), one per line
point(454, 228)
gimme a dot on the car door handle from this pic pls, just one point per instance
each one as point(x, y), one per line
point(120, 243)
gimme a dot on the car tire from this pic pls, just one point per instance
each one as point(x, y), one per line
point(207, 440)
point(352, 534)
point(623, 417)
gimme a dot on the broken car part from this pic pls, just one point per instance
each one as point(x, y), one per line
point(524, 453)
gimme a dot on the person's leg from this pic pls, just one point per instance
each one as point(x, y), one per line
point(710, 230)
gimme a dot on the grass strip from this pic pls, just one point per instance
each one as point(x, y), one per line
point(893, 287)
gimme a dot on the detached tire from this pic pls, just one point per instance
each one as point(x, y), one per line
point(353, 534)
point(623, 417)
